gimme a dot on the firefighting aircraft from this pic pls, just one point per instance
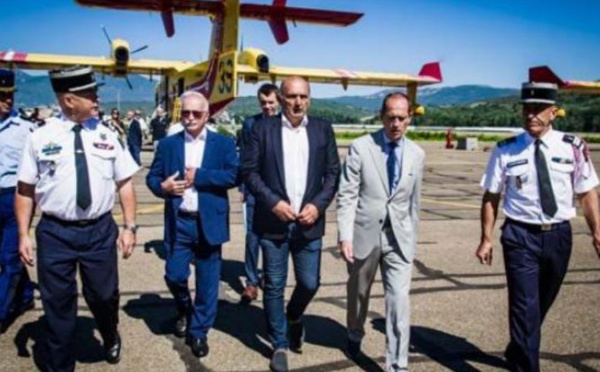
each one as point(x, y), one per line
point(217, 78)
point(545, 74)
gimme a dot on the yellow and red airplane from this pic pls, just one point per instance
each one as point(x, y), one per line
point(218, 77)
point(546, 75)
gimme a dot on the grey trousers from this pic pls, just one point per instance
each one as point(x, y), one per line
point(396, 274)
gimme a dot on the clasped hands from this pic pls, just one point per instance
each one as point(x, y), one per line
point(173, 186)
point(307, 216)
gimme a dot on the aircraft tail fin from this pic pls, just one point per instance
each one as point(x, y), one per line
point(543, 74)
point(431, 70)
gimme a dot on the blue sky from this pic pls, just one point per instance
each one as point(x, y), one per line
point(478, 41)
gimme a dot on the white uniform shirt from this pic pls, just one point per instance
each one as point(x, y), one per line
point(194, 153)
point(512, 167)
point(14, 132)
point(48, 162)
point(295, 160)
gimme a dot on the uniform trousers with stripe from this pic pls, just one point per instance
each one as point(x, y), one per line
point(16, 289)
point(64, 247)
point(536, 263)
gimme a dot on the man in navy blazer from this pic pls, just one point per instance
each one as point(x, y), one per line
point(291, 166)
point(269, 105)
point(192, 170)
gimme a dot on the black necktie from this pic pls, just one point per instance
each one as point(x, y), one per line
point(391, 164)
point(84, 194)
point(544, 184)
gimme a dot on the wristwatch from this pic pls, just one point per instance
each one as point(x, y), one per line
point(131, 227)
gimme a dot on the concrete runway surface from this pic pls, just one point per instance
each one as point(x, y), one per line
point(459, 307)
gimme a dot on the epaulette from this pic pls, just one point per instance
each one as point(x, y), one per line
point(573, 140)
point(106, 124)
point(506, 141)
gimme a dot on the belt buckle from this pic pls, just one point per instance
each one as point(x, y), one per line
point(546, 227)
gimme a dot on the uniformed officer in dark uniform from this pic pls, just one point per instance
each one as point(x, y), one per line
point(69, 168)
point(16, 289)
point(540, 171)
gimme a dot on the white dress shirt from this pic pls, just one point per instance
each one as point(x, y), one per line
point(48, 162)
point(512, 167)
point(295, 160)
point(194, 153)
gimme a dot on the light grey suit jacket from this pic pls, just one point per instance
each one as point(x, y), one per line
point(364, 200)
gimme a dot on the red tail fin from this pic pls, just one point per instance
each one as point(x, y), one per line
point(432, 70)
point(543, 74)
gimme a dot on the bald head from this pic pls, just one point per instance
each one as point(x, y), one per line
point(295, 99)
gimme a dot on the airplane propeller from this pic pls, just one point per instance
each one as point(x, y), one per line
point(120, 52)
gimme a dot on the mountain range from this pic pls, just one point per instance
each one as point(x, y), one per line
point(35, 90)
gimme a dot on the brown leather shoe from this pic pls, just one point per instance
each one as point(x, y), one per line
point(250, 293)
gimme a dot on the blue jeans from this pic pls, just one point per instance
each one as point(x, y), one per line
point(189, 246)
point(252, 246)
point(16, 289)
point(306, 257)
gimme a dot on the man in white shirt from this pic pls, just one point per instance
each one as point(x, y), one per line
point(192, 171)
point(292, 168)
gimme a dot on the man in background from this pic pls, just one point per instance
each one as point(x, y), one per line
point(269, 106)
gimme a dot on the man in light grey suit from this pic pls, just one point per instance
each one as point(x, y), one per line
point(378, 221)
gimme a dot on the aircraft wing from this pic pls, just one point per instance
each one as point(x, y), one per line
point(545, 74)
point(103, 65)
point(430, 74)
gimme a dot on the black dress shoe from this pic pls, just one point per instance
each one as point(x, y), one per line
point(296, 336)
point(113, 351)
point(181, 326)
point(352, 349)
point(199, 347)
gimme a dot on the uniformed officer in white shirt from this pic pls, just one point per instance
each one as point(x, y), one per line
point(540, 171)
point(69, 168)
point(16, 289)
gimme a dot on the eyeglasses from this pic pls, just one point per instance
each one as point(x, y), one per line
point(196, 114)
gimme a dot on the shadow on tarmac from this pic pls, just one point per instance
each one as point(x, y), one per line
point(87, 348)
point(452, 352)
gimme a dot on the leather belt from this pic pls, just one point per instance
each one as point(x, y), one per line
point(188, 215)
point(78, 223)
point(538, 227)
point(7, 190)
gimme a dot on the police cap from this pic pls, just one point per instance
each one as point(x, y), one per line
point(73, 79)
point(7, 81)
point(539, 93)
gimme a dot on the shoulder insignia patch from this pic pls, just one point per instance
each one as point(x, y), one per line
point(574, 140)
point(506, 142)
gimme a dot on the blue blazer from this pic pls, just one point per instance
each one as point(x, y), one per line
point(217, 174)
point(263, 174)
point(245, 139)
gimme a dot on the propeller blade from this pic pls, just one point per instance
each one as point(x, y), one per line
point(128, 82)
point(139, 49)
point(106, 34)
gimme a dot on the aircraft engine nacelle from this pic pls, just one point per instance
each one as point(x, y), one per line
point(120, 55)
point(255, 58)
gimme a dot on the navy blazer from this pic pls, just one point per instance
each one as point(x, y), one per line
point(245, 139)
point(134, 136)
point(217, 174)
point(263, 174)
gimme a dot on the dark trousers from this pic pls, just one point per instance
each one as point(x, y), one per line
point(16, 289)
point(252, 245)
point(306, 256)
point(190, 245)
point(536, 264)
point(62, 248)
point(135, 153)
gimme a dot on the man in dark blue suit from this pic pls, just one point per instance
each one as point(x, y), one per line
point(292, 168)
point(134, 137)
point(192, 171)
point(269, 105)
